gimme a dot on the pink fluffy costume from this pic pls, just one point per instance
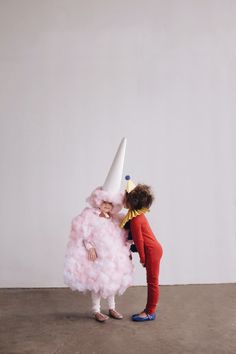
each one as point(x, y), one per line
point(111, 272)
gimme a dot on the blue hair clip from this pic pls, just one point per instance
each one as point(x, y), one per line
point(127, 178)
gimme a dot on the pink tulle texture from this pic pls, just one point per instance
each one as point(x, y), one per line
point(112, 272)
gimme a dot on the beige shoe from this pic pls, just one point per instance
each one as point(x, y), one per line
point(100, 317)
point(115, 314)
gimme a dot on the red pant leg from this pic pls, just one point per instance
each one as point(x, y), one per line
point(153, 258)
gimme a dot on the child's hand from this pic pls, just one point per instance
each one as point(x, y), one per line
point(92, 255)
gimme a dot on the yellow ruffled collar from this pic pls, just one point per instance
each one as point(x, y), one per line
point(132, 214)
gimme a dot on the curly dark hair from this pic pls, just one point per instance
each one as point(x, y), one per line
point(140, 197)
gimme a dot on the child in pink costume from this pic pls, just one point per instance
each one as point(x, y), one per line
point(97, 256)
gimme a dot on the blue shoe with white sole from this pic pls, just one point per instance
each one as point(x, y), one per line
point(149, 317)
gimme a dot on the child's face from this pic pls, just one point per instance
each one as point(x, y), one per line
point(126, 205)
point(106, 207)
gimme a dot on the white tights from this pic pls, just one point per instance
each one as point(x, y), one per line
point(96, 302)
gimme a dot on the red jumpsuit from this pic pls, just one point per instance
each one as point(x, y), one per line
point(150, 252)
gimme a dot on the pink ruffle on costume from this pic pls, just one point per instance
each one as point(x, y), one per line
point(112, 271)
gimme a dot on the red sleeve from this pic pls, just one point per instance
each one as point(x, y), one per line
point(136, 231)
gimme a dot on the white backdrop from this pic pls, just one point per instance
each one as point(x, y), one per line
point(77, 76)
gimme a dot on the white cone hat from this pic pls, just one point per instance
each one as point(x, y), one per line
point(113, 181)
point(130, 184)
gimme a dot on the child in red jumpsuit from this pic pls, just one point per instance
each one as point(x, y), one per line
point(138, 200)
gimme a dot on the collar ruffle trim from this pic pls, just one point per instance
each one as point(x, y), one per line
point(132, 214)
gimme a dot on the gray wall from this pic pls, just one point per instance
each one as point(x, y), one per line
point(77, 76)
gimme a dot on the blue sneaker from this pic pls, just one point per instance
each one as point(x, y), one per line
point(138, 313)
point(149, 317)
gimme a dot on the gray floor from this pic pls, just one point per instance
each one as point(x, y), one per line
point(191, 319)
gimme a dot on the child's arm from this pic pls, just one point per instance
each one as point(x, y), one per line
point(135, 227)
point(92, 255)
point(88, 245)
